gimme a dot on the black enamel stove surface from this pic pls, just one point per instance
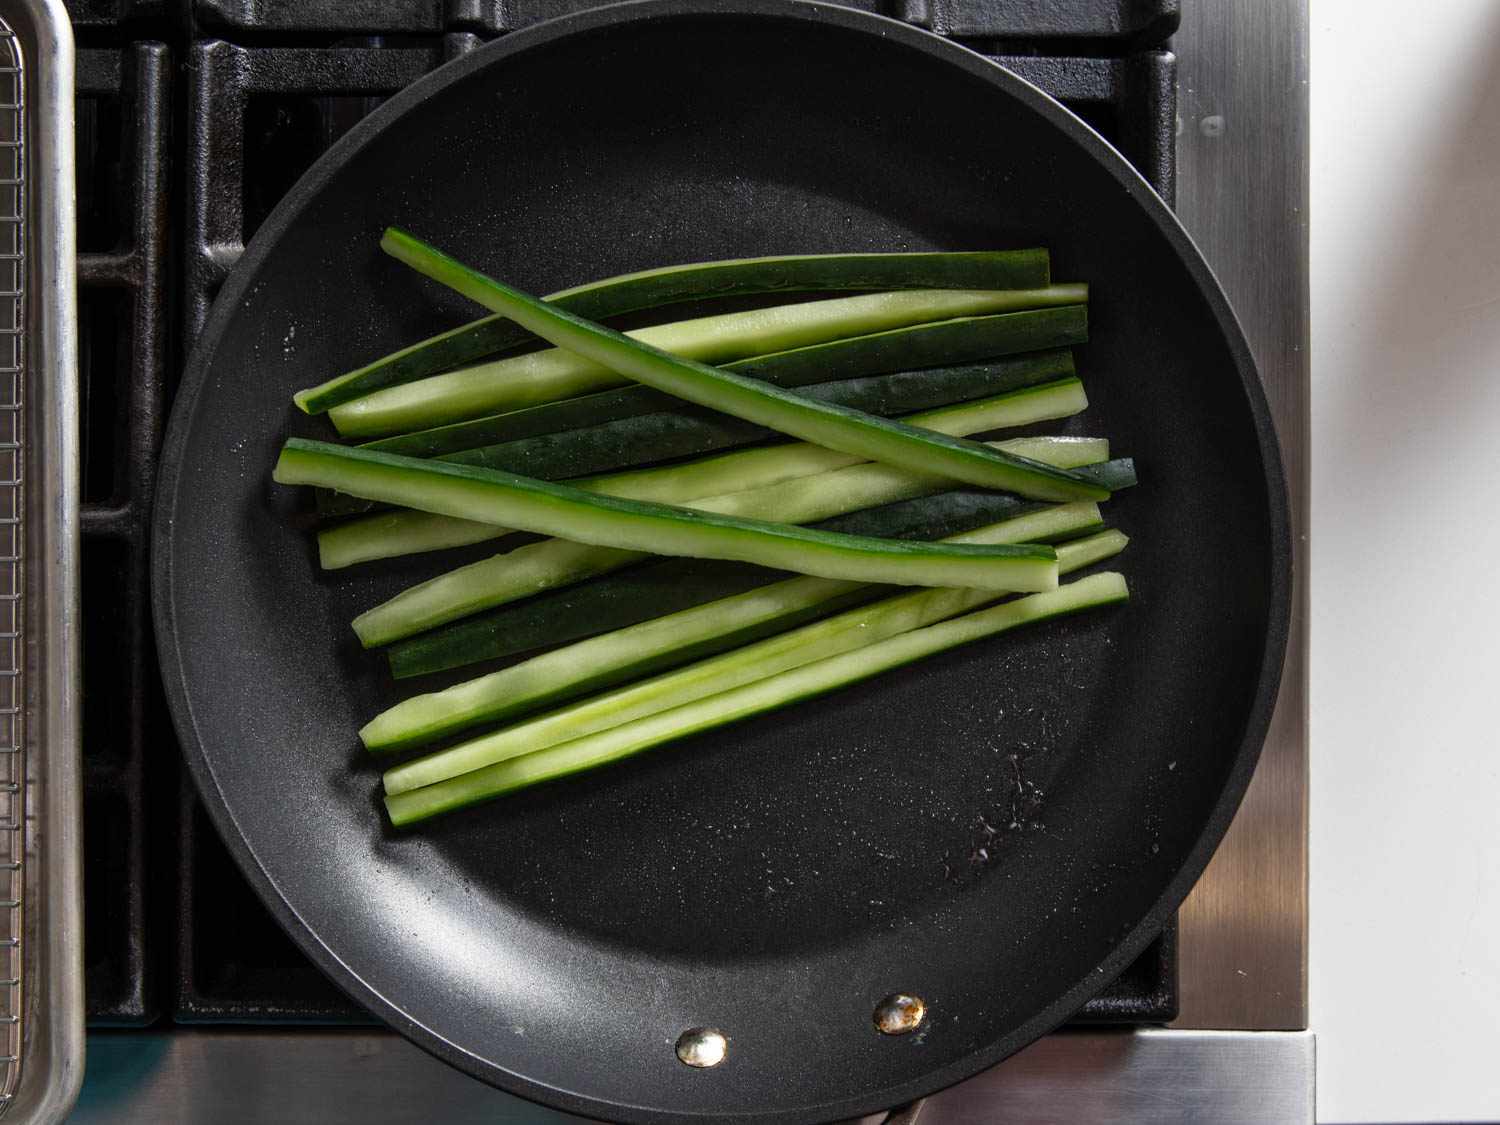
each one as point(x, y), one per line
point(194, 117)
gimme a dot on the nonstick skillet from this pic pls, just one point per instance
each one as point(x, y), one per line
point(999, 830)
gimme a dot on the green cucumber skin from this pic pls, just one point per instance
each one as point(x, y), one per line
point(652, 289)
point(823, 424)
point(464, 491)
point(945, 343)
point(664, 586)
point(692, 431)
point(759, 697)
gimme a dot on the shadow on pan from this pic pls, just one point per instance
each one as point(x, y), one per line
point(775, 879)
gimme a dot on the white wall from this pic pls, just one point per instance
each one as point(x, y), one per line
point(1405, 941)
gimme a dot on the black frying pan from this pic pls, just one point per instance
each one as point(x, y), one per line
point(776, 879)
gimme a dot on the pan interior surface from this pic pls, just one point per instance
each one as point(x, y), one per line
point(982, 830)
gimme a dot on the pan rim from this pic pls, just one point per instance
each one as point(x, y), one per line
point(268, 236)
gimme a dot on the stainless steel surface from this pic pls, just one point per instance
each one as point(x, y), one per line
point(1242, 194)
point(14, 284)
point(1073, 1078)
point(41, 971)
point(1242, 160)
point(702, 1047)
point(1155, 1076)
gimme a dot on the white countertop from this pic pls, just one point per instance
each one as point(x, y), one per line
point(1405, 620)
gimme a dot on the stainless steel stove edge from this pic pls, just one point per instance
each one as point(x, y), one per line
point(1242, 175)
point(263, 1077)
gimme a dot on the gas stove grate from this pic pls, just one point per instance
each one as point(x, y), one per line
point(123, 118)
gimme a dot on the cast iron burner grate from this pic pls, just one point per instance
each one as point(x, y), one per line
point(123, 115)
point(194, 117)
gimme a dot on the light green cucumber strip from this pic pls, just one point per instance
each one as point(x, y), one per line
point(609, 521)
point(559, 562)
point(822, 423)
point(756, 697)
point(554, 373)
point(392, 534)
point(599, 661)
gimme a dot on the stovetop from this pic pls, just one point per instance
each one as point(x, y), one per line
point(194, 117)
point(193, 121)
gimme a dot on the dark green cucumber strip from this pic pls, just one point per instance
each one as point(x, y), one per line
point(757, 697)
point(663, 586)
point(633, 652)
point(944, 343)
point(849, 431)
point(391, 534)
point(607, 521)
point(652, 289)
point(691, 430)
point(552, 374)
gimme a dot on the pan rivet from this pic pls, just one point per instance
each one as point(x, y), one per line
point(899, 1013)
point(702, 1046)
